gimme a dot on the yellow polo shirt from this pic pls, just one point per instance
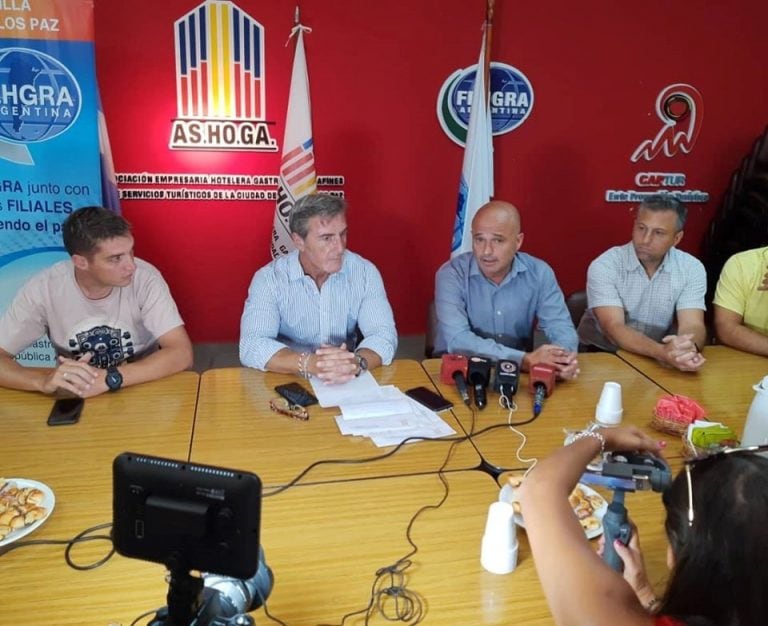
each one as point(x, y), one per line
point(737, 289)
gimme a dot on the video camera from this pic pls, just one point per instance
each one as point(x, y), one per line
point(624, 472)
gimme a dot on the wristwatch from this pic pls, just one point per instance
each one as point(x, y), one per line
point(362, 364)
point(114, 378)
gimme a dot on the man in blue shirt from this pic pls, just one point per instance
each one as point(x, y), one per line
point(488, 300)
point(304, 309)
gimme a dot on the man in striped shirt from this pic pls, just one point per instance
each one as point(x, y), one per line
point(647, 296)
point(305, 310)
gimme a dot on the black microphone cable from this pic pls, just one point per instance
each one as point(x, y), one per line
point(82, 537)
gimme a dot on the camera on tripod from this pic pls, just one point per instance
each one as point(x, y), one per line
point(193, 517)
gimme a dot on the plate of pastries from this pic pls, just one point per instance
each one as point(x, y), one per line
point(24, 507)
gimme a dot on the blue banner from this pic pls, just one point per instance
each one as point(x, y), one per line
point(49, 137)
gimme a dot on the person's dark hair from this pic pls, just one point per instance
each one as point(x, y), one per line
point(310, 206)
point(718, 576)
point(665, 202)
point(86, 228)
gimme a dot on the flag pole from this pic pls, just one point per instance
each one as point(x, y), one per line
point(476, 181)
point(488, 32)
point(297, 177)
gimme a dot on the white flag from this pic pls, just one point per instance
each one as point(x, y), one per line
point(297, 167)
point(476, 185)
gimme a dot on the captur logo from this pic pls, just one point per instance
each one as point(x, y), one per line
point(680, 108)
point(511, 100)
point(39, 97)
point(220, 81)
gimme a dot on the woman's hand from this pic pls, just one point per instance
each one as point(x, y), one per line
point(634, 566)
point(630, 438)
point(634, 569)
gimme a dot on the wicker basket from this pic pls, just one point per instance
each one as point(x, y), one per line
point(678, 425)
point(669, 426)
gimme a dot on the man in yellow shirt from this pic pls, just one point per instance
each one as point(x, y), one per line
point(741, 302)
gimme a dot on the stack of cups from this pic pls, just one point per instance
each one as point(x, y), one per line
point(609, 410)
point(498, 553)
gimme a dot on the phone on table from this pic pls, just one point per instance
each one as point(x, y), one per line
point(429, 398)
point(66, 411)
point(296, 394)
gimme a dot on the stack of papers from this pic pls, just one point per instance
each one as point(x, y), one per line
point(384, 414)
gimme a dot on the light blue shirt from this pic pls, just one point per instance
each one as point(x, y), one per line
point(475, 316)
point(285, 309)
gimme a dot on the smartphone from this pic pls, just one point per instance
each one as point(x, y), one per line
point(429, 399)
point(66, 411)
point(296, 394)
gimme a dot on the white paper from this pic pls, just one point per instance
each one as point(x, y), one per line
point(377, 408)
point(415, 421)
point(362, 388)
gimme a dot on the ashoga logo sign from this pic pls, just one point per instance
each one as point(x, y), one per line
point(511, 96)
point(39, 97)
point(220, 81)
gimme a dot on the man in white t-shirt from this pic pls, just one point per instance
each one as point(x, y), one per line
point(109, 316)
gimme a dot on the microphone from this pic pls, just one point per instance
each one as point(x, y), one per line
point(453, 371)
point(541, 382)
point(479, 374)
point(507, 377)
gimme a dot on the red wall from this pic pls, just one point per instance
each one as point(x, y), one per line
point(375, 72)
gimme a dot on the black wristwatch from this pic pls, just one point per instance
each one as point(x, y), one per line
point(362, 364)
point(114, 378)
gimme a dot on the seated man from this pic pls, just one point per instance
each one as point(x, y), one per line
point(487, 300)
point(304, 309)
point(637, 293)
point(741, 302)
point(105, 312)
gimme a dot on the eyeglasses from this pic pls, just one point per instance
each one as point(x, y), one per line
point(711, 457)
point(282, 406)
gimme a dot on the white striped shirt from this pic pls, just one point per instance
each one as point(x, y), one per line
point(285, 309)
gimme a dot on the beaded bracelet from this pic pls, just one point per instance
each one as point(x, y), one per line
point(589, 433)
point(304, 365)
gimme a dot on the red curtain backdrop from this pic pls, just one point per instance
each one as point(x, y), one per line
point(375, 69)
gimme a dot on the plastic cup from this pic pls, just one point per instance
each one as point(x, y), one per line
point(609, 410)
point(498, 552)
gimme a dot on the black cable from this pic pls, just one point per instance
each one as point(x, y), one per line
point(145, 614)
point(81, 537)
point(275, 619)
point(393, 451)
point(393, 601)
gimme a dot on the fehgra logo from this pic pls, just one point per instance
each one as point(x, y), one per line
point(511, 100)
point(39, 97)
point(220, 82)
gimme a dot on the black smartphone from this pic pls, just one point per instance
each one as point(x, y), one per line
point(66, 411)
point(429, 398)
point(296, 394)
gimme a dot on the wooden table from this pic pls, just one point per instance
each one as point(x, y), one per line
point(236, 428)
point(325, 542)
point(571, 406)
point(723, 386)
point(76, 463)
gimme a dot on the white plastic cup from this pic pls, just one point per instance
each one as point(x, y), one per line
point(609, 410)
point(498, 552)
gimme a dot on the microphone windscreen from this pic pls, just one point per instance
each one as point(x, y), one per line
point(479, 371)
point(452, 363)
point(541, 373)
point(507, 375)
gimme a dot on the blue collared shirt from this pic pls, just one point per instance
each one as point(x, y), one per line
point(477, 316)
point(285, 309)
